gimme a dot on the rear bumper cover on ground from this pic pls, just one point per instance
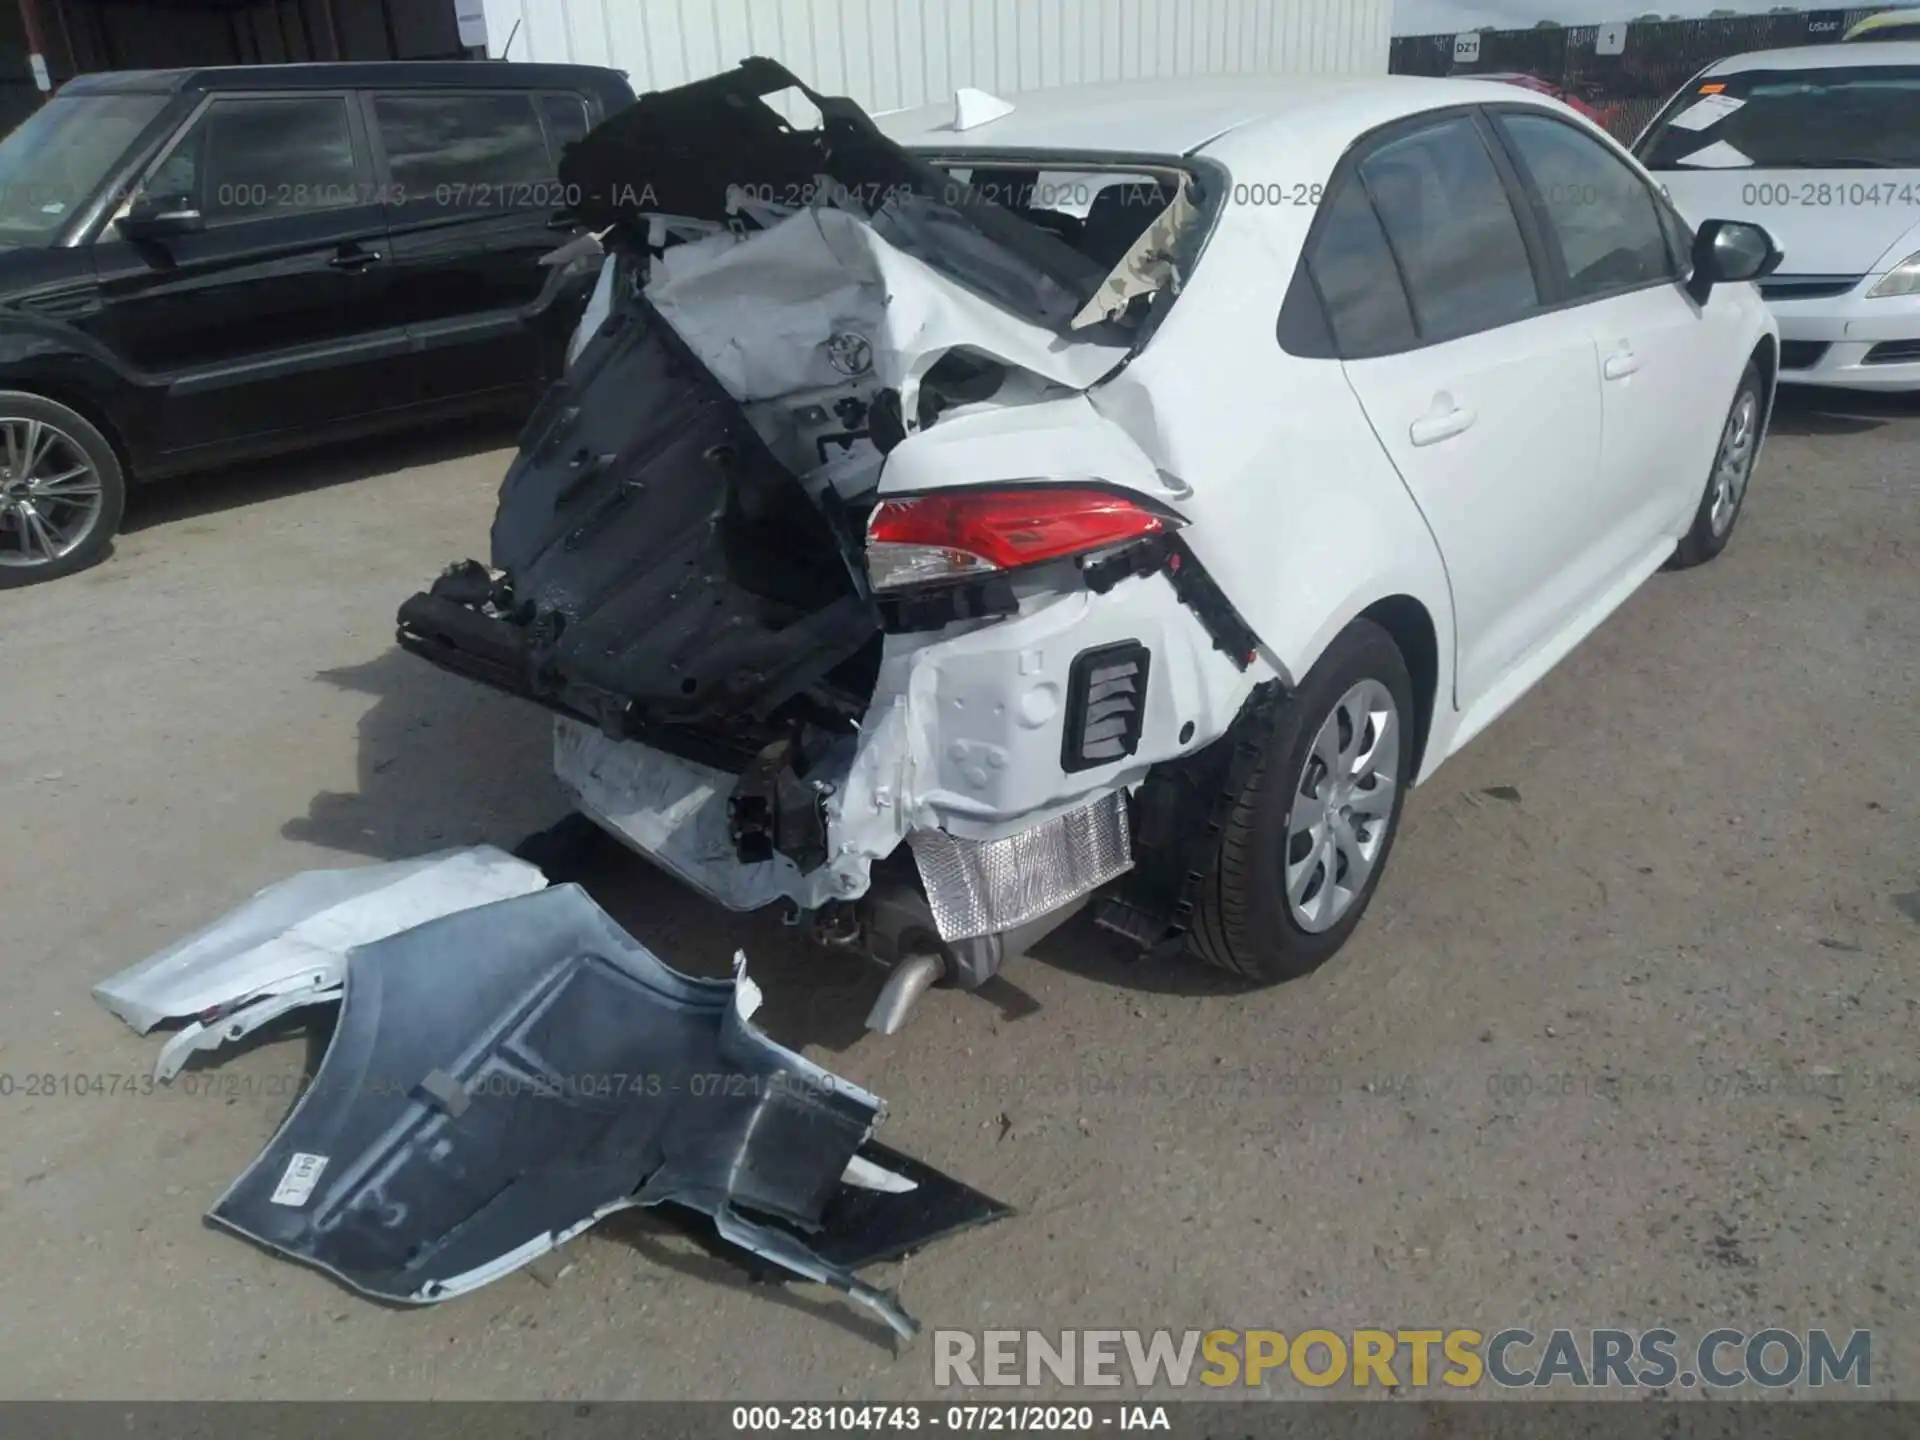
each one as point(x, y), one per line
point(504, 1076)
point(286, 948)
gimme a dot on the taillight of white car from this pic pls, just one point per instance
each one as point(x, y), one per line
point(964, 534)
point(1902, 279)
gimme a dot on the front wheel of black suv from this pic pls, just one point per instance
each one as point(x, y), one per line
point(61, 490)
point(1305, 845)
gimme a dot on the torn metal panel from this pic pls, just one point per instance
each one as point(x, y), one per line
point(824, 297)
point(693, 151)
point(293, 937)
point(502, 1078)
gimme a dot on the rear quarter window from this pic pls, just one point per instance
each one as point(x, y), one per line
point(565, 117)
point(1353, 270)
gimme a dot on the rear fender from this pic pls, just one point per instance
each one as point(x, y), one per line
point(1062, 440)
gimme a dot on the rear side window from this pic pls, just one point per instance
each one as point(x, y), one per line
point(566, 117)
point(254, 159)
point(1354, 272)
point(1447, 217)
point(1601, 212)
point(464, 149)
point(1851, 117)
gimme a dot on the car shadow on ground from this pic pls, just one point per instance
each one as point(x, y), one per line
point(320, 467)
point(1822, 410)
point(1082, 948)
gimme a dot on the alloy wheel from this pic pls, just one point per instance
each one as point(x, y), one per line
point(1342, 805)
point(1734, 462)
point(51, 495)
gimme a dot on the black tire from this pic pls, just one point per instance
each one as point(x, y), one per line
point(1707, 539)
point(1244, 922)
point(97, 541)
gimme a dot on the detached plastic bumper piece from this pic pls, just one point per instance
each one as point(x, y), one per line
point(503, 1077)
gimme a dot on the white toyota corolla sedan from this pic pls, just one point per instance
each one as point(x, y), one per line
point(1123, 492)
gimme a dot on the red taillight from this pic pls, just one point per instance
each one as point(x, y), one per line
point(925, 539)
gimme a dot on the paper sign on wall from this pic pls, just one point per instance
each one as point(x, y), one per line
point(1610, 40)
point(1466, 47)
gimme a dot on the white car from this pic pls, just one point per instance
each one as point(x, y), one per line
point(1130, 489)
point(1820, 145)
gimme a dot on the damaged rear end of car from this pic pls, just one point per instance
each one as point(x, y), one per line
point(828, 542)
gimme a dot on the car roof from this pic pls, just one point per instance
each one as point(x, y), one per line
point(1185, 115)
point(1822, 57)
point(1870, 27)
point(386, 74)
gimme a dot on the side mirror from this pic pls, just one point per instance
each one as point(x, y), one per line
point(154, 217)
point(1726, 251)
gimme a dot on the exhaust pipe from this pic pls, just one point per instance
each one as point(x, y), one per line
point(911, 978)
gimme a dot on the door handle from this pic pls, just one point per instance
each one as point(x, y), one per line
point(1622, 363)
point(354, 259)
point(1443, 422)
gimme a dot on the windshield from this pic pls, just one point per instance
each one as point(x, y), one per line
point(1860, 118)
point(59, 156)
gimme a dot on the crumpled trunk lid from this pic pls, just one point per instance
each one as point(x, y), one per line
point(677, 553)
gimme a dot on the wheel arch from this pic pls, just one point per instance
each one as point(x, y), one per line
point(1766, 355)
point(1415, 608)
point(1410, 626)
point(84, 404)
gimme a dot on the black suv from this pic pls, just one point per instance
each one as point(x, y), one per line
point(198, 266)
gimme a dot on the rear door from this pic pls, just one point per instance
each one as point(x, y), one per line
point(1662, 357)
point(470, 179)
point(275, 316)
point(1487, 400)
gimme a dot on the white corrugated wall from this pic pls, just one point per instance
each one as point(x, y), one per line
point(889, 54)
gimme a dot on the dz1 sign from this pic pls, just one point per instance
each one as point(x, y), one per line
point(1466, 48)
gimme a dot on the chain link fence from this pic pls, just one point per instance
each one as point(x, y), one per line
point(1629, 86)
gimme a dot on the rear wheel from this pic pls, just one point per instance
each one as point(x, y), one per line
point(1309, 835)
point(62, 492)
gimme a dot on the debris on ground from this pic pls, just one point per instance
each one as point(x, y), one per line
point(510, 1066)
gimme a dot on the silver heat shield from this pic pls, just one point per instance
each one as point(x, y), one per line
point(979, 887)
